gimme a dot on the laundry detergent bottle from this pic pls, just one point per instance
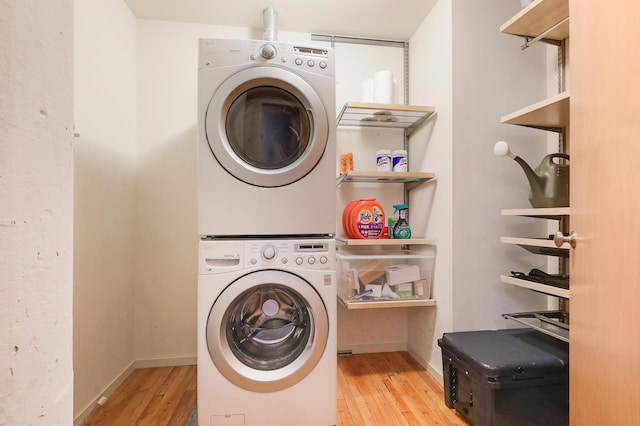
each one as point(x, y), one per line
point(401, 229)
point(363, 219)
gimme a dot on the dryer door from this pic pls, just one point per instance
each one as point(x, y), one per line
point(266, 126)
point(267, 330)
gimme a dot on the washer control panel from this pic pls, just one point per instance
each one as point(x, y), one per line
point(306, 254)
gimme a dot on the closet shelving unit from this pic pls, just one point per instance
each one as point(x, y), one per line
point(546, 21)
point(410, 179)
point(540, 20)
point(397, 116)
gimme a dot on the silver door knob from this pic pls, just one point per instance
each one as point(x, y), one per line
point(560, 239)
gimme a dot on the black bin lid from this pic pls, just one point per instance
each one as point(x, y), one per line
point(511, 354)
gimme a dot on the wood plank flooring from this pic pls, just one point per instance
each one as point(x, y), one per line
point(389, 389)
point(379, 389)
point(151, 396)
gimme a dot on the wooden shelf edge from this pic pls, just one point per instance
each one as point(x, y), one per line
point(385, 177)
point(390, 107)
point(552, 112)
point(386, 304)
point(538, 17)
point(384, 242)
point(543, 213)
point(531, 285)
point(534, 242)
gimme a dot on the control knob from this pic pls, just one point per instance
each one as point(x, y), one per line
point(268, 51)
point(269, 252)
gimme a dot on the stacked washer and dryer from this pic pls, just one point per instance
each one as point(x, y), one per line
point(266, 216)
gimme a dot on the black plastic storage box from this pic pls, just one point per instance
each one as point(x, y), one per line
point(506, 377)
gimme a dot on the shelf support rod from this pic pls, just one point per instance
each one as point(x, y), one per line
point(333, 39)
point(405, 64)
point(357, 40)
point(531, 41)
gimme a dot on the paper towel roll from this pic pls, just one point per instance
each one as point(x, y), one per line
point(366, 90)
point(383, 87)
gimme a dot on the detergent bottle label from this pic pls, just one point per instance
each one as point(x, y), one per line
point(370, 222)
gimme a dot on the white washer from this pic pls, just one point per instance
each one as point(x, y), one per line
point(266, 139)
point(267, 332)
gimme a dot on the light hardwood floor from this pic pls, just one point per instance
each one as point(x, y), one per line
point(389, 389)
point(151, 396)
point(380, 389)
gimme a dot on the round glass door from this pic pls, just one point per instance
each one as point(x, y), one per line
point(266, 126)
point(281, 129)
point(267, 330)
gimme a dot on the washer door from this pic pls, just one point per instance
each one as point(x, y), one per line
point(267, 330)
point(266, 126)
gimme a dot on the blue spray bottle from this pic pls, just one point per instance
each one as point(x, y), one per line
point(401, 229)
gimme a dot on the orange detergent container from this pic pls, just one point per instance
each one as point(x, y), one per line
point(363, 219)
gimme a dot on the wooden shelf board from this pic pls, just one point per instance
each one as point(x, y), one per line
point(539, 246)
point(385, 304)
point(384, 242)
point(544, 213)
point(552, 112)
point(534, 242)
point(538, 17)
point(385, 177)
point(543, 288)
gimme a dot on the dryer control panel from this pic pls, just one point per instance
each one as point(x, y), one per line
point(218, 53)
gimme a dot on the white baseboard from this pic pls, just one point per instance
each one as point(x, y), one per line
point(433, 372)
point(84, 415)
point(368, 348)
point(166, 362)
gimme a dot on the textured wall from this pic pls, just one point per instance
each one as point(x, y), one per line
point(36, 213)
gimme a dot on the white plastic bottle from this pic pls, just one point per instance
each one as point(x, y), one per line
point(383, 160)
point(399, 159)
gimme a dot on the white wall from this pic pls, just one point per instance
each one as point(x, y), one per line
point(431, 83)
point(166, 228)
point(105, 192)
point(36, 213)
point(492, 77)
point(473, 75)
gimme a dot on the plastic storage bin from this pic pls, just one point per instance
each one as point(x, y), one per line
point(506, 377)
point(378, 276)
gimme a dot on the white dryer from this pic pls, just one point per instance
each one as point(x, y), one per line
point(266, 139)
point(267, 332)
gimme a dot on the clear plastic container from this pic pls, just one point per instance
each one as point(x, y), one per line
point(392, 275)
